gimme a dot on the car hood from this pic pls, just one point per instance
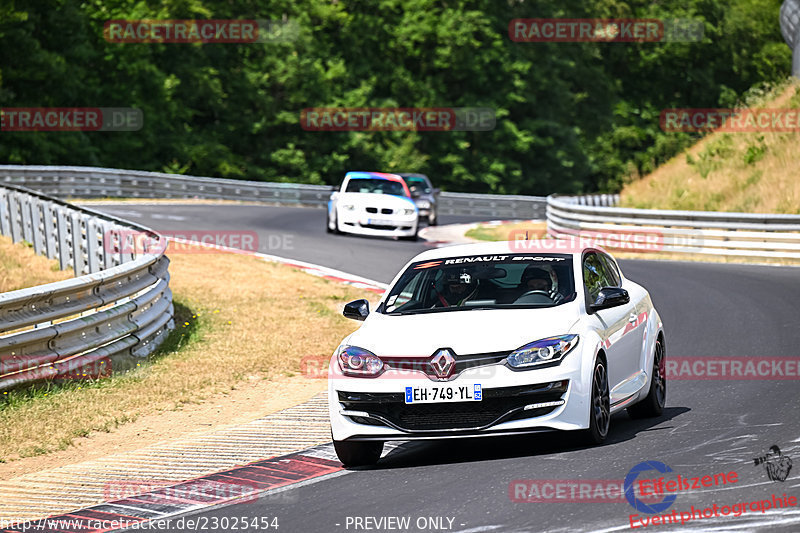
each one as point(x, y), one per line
point(367, 199)
point(465, 332)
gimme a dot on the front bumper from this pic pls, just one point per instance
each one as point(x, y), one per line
point(376, 224)
point(513, 401)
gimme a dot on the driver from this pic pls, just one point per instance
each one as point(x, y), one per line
point(537, 278)
point(459, 286)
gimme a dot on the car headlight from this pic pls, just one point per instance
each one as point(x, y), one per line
point(355, 361)
point(549, 350)
point(409, 211)
point(348, 207)
point(423, 204)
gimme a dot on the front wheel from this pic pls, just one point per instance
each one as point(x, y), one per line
point(600, 407)
point(413, 237)
point(332, 226)
point(358, 453)
point(653, 403)
point(433, 218)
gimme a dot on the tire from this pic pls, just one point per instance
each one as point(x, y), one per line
point(599, 406)
point(433, 218)
point(653, 403)
point(335, 228)
point(358, 453)
point(414, 237)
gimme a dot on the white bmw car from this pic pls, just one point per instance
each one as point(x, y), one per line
point(480, 339)
point(373, 203)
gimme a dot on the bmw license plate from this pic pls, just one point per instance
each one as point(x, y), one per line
point(380, 222)
point(444, 393)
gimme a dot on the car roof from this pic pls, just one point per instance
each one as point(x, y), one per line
point(374, 175)
point(538, 247)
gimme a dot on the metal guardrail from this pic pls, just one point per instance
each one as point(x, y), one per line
point(696, 232)
point(90, 182)
point(119, 306)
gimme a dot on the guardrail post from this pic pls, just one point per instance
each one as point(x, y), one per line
point(109, 247)
point(51, 230)
point(38, 228)
point(15, 218)
point(26, 216)
point(93, 242)
point(5, 217)
point(63, 238)
point(78, 260)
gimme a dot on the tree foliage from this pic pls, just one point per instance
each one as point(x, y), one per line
point(570, 116)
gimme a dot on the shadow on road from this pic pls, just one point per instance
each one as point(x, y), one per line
point(451, 451)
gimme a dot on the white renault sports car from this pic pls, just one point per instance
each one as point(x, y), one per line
point(481, 339)
point(373, 203)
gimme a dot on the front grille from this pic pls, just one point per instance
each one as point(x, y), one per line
point(372, 209)
point(498, 405)
point(463, 362)
point(386, 211)
point(380, 226)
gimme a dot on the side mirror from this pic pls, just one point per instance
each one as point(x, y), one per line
point(610, 297)
point(357, 309)
point(437, 191)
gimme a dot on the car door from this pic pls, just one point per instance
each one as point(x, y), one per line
point(614, 326)
point(636, 327)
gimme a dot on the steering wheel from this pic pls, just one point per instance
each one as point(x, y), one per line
point(542, 295)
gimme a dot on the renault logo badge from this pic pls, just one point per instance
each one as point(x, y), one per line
point(443, 363)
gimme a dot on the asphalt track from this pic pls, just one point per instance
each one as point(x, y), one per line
point(709, 426)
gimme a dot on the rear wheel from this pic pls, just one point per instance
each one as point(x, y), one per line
point(600, 408)
point(358, 453)
point(653, 404)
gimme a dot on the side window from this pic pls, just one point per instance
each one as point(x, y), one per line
point(594, 275)
point(611, 270)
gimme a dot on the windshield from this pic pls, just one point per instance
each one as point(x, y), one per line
point(378, 186)
point(420, 183)
point(482, 282)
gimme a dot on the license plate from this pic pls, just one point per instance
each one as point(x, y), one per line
point(444, 393)
point(380, 222)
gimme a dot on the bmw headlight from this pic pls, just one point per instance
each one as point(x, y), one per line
point(549, 350)
point(409, 211)
point(355, 361)
point(348, 207)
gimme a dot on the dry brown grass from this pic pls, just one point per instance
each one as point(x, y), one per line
point(20, 267)
point(249, 320)
point(733, 172)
